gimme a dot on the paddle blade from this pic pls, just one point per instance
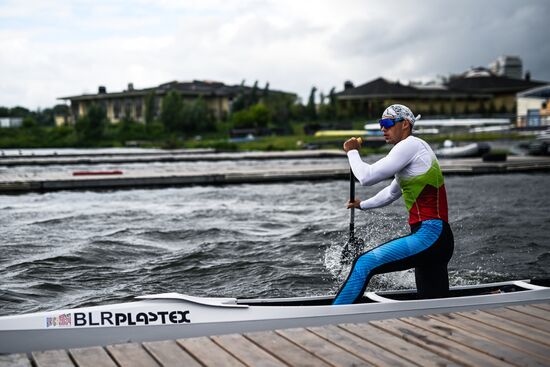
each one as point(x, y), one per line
point(353, 248)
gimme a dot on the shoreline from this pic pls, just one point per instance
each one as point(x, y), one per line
point(62, 180)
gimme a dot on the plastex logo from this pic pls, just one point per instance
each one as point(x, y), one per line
point(59, 321)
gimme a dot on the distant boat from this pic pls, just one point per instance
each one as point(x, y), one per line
point(340, 133)
point(449, 150)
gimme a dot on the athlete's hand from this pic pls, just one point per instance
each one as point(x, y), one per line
point(354, 204)
point(352, 144)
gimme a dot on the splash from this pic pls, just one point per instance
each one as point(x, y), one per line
point(377, 231)
point(476, 276)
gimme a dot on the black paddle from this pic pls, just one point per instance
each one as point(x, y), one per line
point(355, 246)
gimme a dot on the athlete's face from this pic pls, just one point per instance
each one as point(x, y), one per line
point(397, 132)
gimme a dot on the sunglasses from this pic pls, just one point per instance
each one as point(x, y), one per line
point(387, 123)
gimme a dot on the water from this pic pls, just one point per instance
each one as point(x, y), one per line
point(67, 249)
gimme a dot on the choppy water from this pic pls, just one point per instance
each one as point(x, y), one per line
point(68, 249)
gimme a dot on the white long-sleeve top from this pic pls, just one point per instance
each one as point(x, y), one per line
point(408, 158)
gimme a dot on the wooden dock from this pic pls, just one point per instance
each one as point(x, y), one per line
point(61, 178)
point(508, 336)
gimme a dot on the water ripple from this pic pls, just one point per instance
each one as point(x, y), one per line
point(67, 249)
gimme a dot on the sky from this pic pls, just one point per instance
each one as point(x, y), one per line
point(53, 48)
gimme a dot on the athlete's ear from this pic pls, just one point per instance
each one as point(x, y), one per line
point(410, 126)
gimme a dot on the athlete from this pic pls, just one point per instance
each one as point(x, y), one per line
point(418, 178)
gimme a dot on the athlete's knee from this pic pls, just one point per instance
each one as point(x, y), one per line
point(364, 263)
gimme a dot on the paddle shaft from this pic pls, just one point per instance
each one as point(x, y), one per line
point(351, 199)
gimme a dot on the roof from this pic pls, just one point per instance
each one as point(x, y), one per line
point(538, 92)
point(194, 88)
point(383, 88)
point(492, 84)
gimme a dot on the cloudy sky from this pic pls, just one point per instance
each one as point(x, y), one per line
point(51, 48)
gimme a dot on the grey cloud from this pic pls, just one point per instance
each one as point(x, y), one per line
point(448, 37)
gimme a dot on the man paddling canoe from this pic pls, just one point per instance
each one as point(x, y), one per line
point(418, 178)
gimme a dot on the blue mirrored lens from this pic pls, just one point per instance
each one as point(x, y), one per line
point(387, 123)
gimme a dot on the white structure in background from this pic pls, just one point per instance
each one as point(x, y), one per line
point(473, 125)
point(509, 66)
point(533, 107)
point(11, 122)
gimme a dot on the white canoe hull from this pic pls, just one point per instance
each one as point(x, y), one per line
point(173, 316)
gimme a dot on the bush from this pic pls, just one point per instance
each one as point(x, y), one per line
point(257, 116)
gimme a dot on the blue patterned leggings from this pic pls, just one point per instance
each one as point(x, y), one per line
point(428, 249)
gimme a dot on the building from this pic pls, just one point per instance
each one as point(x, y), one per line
point(533, 107)
point(508, 66)
point(477, 91)
point(130, 103)
point(371, 98)
point(11, 122)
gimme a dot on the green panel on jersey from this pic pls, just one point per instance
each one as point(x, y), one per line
point(413, 186)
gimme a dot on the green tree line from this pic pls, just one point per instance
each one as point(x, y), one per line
point(178, 118)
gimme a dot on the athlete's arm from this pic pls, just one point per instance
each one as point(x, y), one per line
point(370, 174)
point(386, 196)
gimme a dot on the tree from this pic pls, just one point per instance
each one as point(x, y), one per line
point(261, 115)
point(90, 127)
point(29, 123)
point(254, 97)
point(170, 114)
point(333, 104)
point(310, 108)
point(239, 103)
point(19, 112)
point(328, 111)
point(265, 93)
point(196, 116)
point(257, 116)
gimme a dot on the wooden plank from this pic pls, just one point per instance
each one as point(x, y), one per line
point(92, 357)
point(522, 330)
point(208, 353)
point(170, 353)
point(57, 358)
point(360, 347)
point(472, 340)
point(395, 344)
point(15, 360)
point(246, 351)
point(533, 311)
point(131, 355)
point(285, 350)
point(520, 317)
point(542, 306)
point(535, 349)
point(437, 344)
point(318, 346)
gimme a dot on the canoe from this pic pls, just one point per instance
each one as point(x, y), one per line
point(174, 315)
